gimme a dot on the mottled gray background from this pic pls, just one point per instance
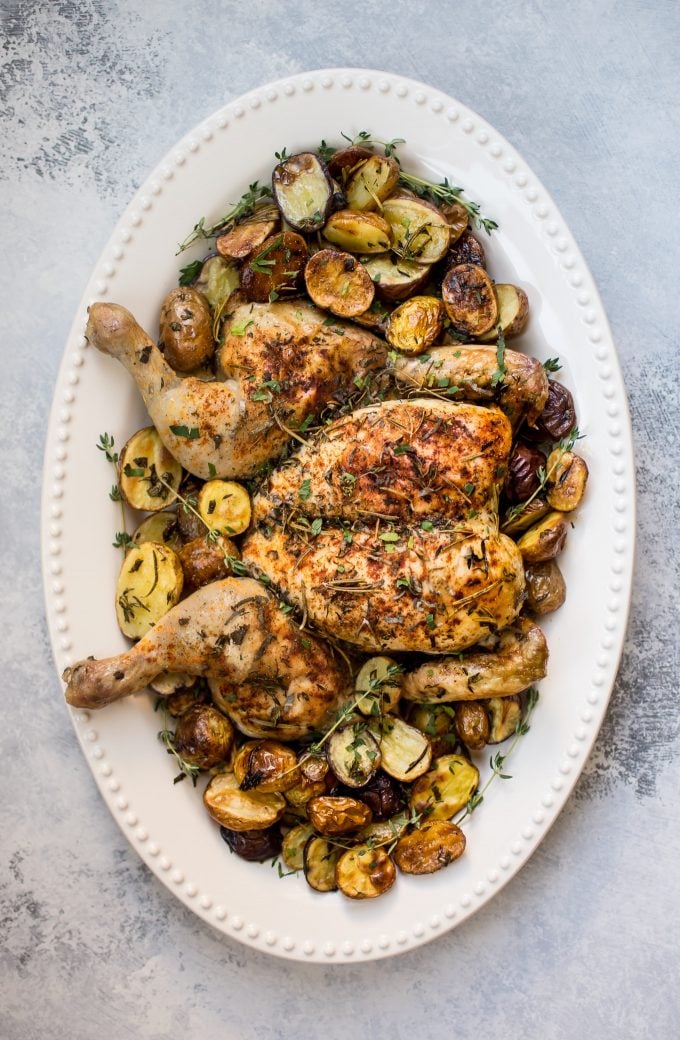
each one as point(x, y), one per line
point(584, 941)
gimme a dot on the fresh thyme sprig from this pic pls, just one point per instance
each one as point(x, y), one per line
point(544, 475)
point(213, 536)
point(497, 761)
point(243, 208)
point(106, 444)
point(167, 737)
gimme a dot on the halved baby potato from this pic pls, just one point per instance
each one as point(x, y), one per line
point(337, 282)
point(224, 505)
point(467, 292)
point(149, 585)
point(379, 683)
point(364, 872)
point(446, 789)
point(545, 540)
point(346, 161)
point(406, 752)
point(145, 468)
point(415, 325)
point(204, 737)
point(372, 182)
point(337, 814)
point(275, 269)
point(534, 510)
point(303, 191)
point(266, 766)
point(567, 481)
point(395, 278)
point(419, 231)
point(513, 312)
point(159, 527)
point(353, 754)
point(383, 832)
point(241, 810)
point(293, 846)
point(504, 715)
point(320, 859)
point(358, 232)
point(242, 239)
point(217, 280)
point(429, 847)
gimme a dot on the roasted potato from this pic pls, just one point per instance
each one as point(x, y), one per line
point(276, 269)
point(337, 282)
point(446, 789)
point(568, 475)
point(357, 232)
point(149, 585)
point(378, 683)
point(293, 846)
point(457, 218)
point(224, 506)
point(472, 724)
point(504, 715)
point(406, 752)
point(513, 312)
point(420, 232)
point(204, 561)
point(466, 249)
point(181, 700)
point(364, 872)
point(375, 318)
point(186, 329)
point(266, 766)
point(255, 846)
point(415, 325)
point(546, 588)
point(204, 736)
point(429, 847)
point(372, 182)
point(353, 754)
point(190, 525)
point(303, 190)
point(241, 810)
point(467, 292)
point(382, 795)
point(558, 418)
point(394, 278)
point(145, 469)
point(346, 161)
point(159, 527)
point(246, 236)
point(320, 859)
point(522, 478)
point(527, 515)
point(544, 540)
point(311, 781)
point(383, 832)
point(217, 280)
point(336, 814)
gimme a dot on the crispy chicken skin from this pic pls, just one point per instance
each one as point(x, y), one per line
point(339, 528)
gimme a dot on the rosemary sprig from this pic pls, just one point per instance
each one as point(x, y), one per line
point(544, 474)
point(106, 444)
point(243, 208)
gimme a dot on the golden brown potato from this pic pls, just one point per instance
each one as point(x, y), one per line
point(204, 561)
point(567, 480)
point(159, 527)
point(204, 736)
point(293, 847)
point(241, 810)
point(467, 292)
point(346, 161)
point(415, 325)
point(245, 237)
point(378, 683)
point(145, 469)
point(525, 517)
point(320, 859)
point(337, 814)
point(466, 250)
point(266, 766)
point(546, 588)
point(337, 282)
point(312, 781)
point(275, 270)
point(429, 847)
point(513, 312)
point(353, 754)
point(434, 720)
point(446, 789)
point(186, 329)
point(224, 506)
point(504, 715)
point(395, 278)
point(420, 232)
point(149, 585)
point(545, 540)
point(372, 182)
point(364, 872)
point(357, 232)
point(472, 724)
point(406, 752)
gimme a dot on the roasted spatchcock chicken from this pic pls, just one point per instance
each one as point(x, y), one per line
point(382, 529)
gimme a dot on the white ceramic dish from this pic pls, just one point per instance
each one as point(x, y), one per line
point(167, 825)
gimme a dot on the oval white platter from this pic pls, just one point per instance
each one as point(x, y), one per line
point(166, 824)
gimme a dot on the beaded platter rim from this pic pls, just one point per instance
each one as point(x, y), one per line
point(564, 251)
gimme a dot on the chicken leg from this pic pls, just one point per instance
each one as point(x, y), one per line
point(265, 673)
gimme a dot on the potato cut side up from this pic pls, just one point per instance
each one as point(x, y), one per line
point(365, 872)
point(379, 683)
point(246, 236)
point(148, 475)
point(320, 860)
point(337, 282)
point(149, 585)
point(358, 232)
point(353, 754)
point(419, 231)
point(373, 181)
point(395, 278)
point(275, 270)
point(406, 752)
point(467, 292)
point(224, 506)
point(241, 810)
point(429, 848)
point(161, 528)
point(303, 191)
point(446, 789)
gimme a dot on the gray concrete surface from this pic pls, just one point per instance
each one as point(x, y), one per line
point(584, 941)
